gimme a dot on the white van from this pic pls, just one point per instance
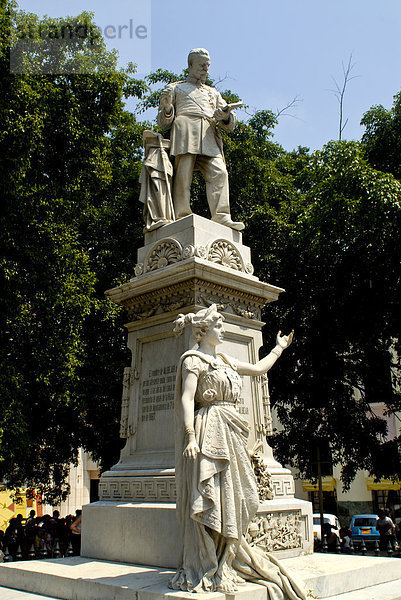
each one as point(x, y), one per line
point(327, 518)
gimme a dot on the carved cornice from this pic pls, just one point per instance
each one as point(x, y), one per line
point(241, 284)
point(193, 292)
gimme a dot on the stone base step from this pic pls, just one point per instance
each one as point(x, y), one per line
point(384, 591)
point(331, 575)
point(10, 594)
point(326, 576)
point(80, 578)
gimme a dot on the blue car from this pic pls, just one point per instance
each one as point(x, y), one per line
point(363, 527)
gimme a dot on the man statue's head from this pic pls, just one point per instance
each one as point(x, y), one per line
point(198, 64)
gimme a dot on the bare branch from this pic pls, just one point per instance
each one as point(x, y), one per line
point(339, 92)
point(280, 112)
point(226, 76)
point(284, 111)
point(248, 111)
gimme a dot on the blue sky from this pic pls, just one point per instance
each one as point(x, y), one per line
point(269, 52)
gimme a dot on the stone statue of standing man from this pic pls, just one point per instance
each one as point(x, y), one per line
point(194, 111)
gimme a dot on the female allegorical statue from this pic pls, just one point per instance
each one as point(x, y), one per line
point(216, 486)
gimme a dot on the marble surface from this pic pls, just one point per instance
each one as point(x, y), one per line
point(329, 577)
point(84, 579)
point(134, 533)
point(189, 279)
point(10, 594)
point(185, 265)
point(383, 591)
point(197, 232)
point(330, 574)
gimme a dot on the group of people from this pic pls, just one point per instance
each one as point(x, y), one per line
point(41, 536)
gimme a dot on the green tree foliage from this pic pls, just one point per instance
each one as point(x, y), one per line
point(339, 261)
point(69, 162)
point(382, 137)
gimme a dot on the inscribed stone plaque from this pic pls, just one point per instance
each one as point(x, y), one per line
point(155, 417)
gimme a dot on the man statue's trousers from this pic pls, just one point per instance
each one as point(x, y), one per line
point(214, 171)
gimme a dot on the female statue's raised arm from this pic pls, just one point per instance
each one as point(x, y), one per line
point(266, 363)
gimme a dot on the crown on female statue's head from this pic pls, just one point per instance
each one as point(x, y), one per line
point(200, 320)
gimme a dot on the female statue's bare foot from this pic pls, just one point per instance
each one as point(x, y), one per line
point(227, 586)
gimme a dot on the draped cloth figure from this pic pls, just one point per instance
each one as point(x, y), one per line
point(217, 491)
point(155, 180)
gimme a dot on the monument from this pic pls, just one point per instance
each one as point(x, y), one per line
point(187, 264)
point(188, 411)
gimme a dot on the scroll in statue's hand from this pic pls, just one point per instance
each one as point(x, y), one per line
point(222, 114)
point(191, 450)
point(284, 340)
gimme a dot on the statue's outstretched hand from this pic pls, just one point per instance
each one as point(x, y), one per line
point(191, 450)
point(284, 340)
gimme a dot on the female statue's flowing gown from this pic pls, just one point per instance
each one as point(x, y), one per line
point(217, 492)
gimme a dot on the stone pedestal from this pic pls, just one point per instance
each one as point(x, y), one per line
point(183, 267)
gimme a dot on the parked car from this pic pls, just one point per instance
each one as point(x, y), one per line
point(363, 527)
point(327, 518)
